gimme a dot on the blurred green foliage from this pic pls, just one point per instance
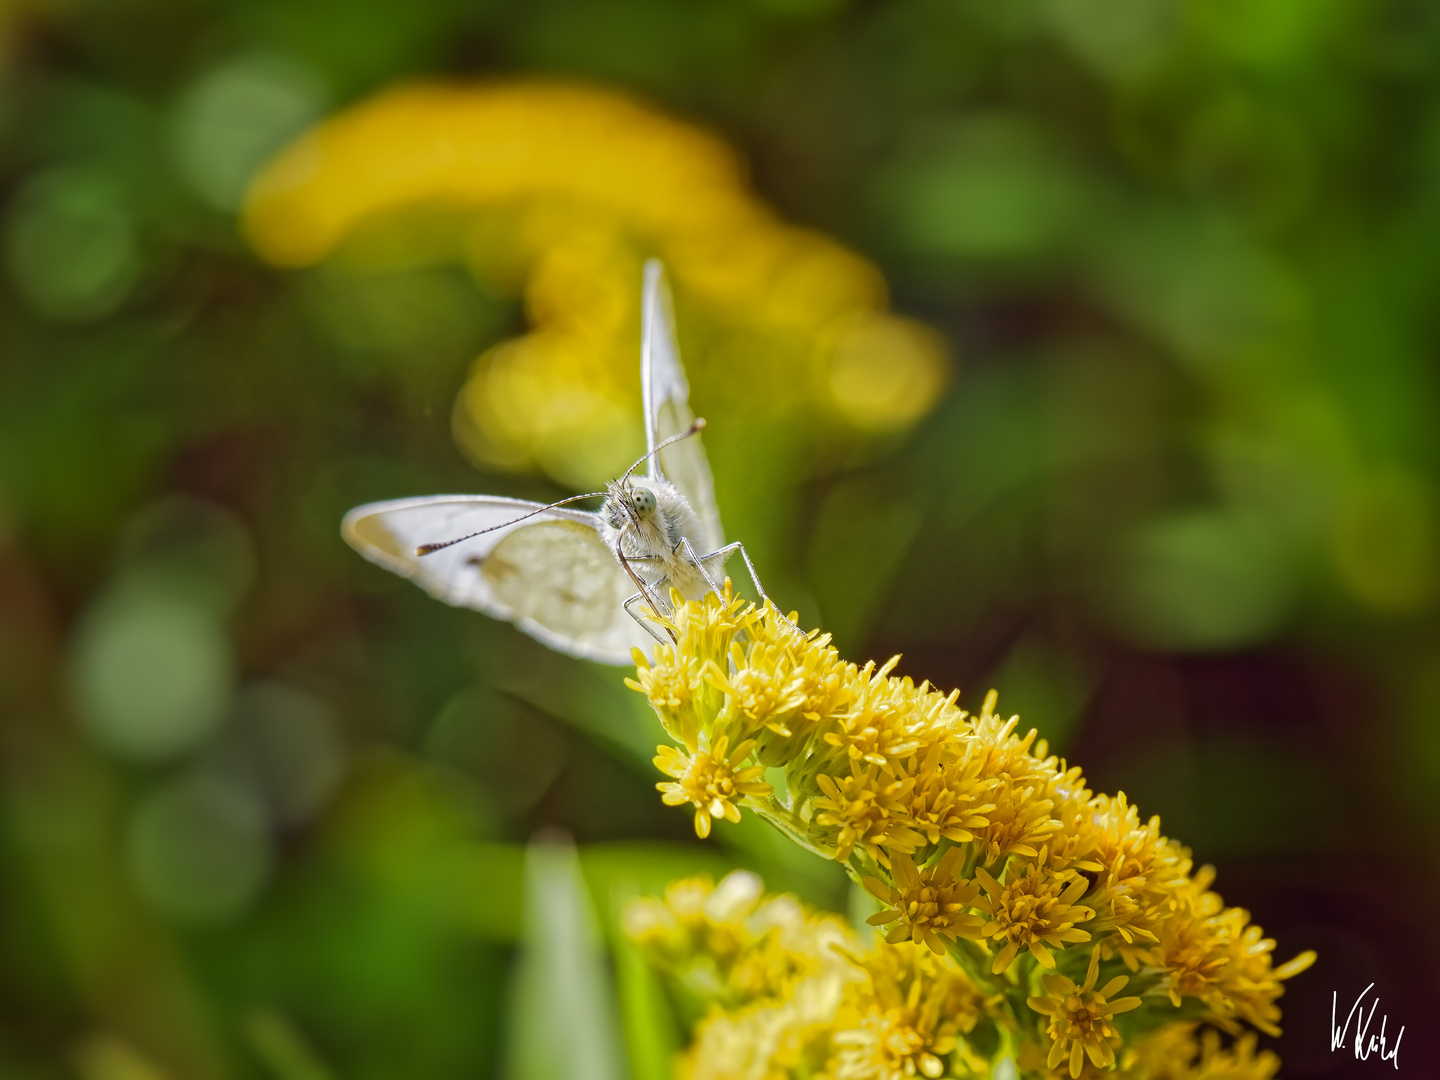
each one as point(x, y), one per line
point(264, 808)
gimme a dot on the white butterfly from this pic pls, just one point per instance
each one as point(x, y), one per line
point(567, 577)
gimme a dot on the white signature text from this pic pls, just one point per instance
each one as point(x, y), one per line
point(1365, 1043)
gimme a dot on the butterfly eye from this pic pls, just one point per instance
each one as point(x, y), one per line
point(643, 501)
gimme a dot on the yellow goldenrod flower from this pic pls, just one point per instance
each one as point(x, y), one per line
point(908, 1021)
point(1237, 1062)
point(1124, 848)
point(764, 1040)
point(1192, 947)
point(711, 781)
point(732, 943)
point(779, 970)
point(1072, 846)
point(1021, 821)
point(697, 919)
point(991, 856)
point(1174, 1052)
point(1248, 983)
point(881, 726)
point(673, 685)
point(1122, 908)
point(1035, 910)
point(1079, 1022)
point(764, 691)
point(825, 679)
point(927, 904)
point(950, 796)
point(1141, 873)
point(1243, 985)
point(867, 810)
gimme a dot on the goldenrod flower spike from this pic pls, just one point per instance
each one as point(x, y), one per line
point(990, 856)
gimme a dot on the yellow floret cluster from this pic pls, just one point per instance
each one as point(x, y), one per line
point(786, 991)
point(789, 991)
point(1083, 929)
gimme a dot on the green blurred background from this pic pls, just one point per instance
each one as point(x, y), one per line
point(265, 808)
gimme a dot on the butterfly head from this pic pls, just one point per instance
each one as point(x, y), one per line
point(650, 509)
point(628, 502)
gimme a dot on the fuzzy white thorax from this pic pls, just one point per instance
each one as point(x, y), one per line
point(656, 527)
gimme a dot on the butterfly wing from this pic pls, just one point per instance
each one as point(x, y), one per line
point(551, 574)
point(667, 410)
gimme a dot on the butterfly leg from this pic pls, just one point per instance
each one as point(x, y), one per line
point(640, 583)
point(645, 592)
point(642, 620)
point(686, 547)
point(730, 549)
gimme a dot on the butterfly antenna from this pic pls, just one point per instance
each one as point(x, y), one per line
point(694, 429)
point(430, 549)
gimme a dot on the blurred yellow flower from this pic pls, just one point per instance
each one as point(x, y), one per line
point(733, 943)
point(909, 1020)
point(778, 969)
point(796, 993)
point(1179, 1052)
point(560, 192)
